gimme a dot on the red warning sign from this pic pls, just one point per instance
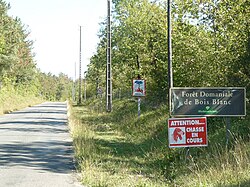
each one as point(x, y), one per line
point(187, 132)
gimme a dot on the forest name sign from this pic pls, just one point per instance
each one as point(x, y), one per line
point(227, 101)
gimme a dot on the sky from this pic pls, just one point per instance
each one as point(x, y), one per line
point(54, 27)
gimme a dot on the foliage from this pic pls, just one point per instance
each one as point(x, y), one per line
point(210, 45)
point(15, 49)
point(55, 88)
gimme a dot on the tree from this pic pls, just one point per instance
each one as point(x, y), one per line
point(210, 44)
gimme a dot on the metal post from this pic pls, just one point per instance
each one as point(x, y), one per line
point(85, 87)
point(187, 155)
point(120, 93)
point(228, 130)
point(73, 91)
point(80, 69)
point(139, 107)
point(108, 70)
point(74, 86)
point(97, 87)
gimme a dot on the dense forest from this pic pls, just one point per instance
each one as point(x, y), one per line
point(211, 45)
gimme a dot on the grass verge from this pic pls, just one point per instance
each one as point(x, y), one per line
point(119, 149)
point(11, 101)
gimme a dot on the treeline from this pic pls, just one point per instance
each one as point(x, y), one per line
point(211, 45)
point(18, 72)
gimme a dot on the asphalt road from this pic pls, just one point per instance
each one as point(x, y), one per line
point(36, 148)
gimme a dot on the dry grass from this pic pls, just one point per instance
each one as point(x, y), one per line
point(222, 167)
point(117, 149)
point(11, 101)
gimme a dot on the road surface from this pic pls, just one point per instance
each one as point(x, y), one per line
point(36, 148)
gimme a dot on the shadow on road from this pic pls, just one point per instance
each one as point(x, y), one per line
point(50, 155)
point(37, 138)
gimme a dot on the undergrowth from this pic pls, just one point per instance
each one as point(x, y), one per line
point(11, 100)
point(122, 149)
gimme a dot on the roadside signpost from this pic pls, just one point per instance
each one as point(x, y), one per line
point(139, 90)
point(187, 132)
point(200, 103)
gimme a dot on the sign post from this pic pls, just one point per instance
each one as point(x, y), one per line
point(139, 90)
point(139, 107)
point(228, 130)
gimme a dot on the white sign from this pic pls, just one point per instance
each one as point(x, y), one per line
point(139, 88)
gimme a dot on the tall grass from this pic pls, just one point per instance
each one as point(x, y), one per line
point(106, 154)
point(11, 100)
point(120, 149)
point(220, 167)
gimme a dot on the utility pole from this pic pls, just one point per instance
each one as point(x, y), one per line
point(108, 69)
point(80, 69)
point(74, 87)
point(73, 91)
point(170, 72)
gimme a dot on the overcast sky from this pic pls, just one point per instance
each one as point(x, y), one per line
point(54, 27)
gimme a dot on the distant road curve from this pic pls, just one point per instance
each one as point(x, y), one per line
point(36, 148)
